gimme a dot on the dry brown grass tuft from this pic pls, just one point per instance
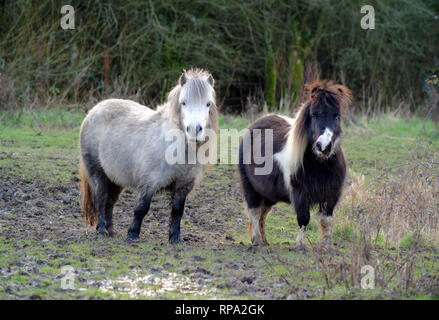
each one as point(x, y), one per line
point(390, 223)
point(395, 207)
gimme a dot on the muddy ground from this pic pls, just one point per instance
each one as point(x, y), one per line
point(43, 231)
point(47, 216)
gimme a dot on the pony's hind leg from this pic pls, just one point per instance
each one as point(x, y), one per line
point(104, 192)
point(326, 210)
point(256, 226)
point(265, 209)
point(104, 204)
point(113, 195)
point(326, 229)
point(256, 218)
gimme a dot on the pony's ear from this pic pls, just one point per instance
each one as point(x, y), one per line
point(210, 80)
point(182, 80)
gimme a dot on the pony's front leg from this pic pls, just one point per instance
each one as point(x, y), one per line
point(303, 216)
point(178, 201)
point(139, 213)
point(101, 199)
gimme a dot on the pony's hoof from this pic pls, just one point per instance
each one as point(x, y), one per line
point(103, 232)
point(132, 237)
point(301, 247)
point(174, 237)
point(175, 240)
point(259, 241)
point(111, 232)
point(327, 247)
point(257, 244)
point(256, 247)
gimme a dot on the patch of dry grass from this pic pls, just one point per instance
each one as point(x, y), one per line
point(396, 206)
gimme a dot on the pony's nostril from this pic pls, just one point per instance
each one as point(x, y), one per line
point(187, 129)
point(199, 128)
point(329, 147)
point(319, 146)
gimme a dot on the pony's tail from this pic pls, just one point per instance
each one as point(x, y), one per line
point(89, 211)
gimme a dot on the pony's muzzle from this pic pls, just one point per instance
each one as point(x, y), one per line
point(319, 146)
point(195, 133)
point(324, 149)
point(323, 144)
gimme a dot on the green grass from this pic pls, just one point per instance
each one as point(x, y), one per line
point(386, 141)
point(45, 143)
point(42, 144)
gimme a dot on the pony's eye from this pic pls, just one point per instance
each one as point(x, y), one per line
point(337, 117)
point(183, 103)
point(208, 104)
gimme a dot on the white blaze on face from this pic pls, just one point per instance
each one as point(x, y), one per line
point(325, 139)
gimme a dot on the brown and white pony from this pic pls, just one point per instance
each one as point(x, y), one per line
point(309, 166)
point(125, 144)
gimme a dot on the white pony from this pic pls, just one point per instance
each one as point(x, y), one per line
point(123, 143)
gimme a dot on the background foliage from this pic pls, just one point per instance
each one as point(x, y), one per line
point(254, 49)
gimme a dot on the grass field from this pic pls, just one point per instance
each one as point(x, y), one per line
point(388, 219)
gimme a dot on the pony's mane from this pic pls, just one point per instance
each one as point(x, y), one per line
point(313, 93)
point(196, 73)
point(316, 89)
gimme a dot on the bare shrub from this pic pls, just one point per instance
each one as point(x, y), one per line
point(7, 93)
point(255, 107)
point(119, 90)
point(245, 46)
point(123, 90)
point(432, 101)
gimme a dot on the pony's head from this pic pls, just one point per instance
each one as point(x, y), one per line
point(195, 103)
point(324, 106)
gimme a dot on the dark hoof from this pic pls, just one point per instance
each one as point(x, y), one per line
point(132, 237)
point(103, 232)
point(175, 240)
point(111, 232)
